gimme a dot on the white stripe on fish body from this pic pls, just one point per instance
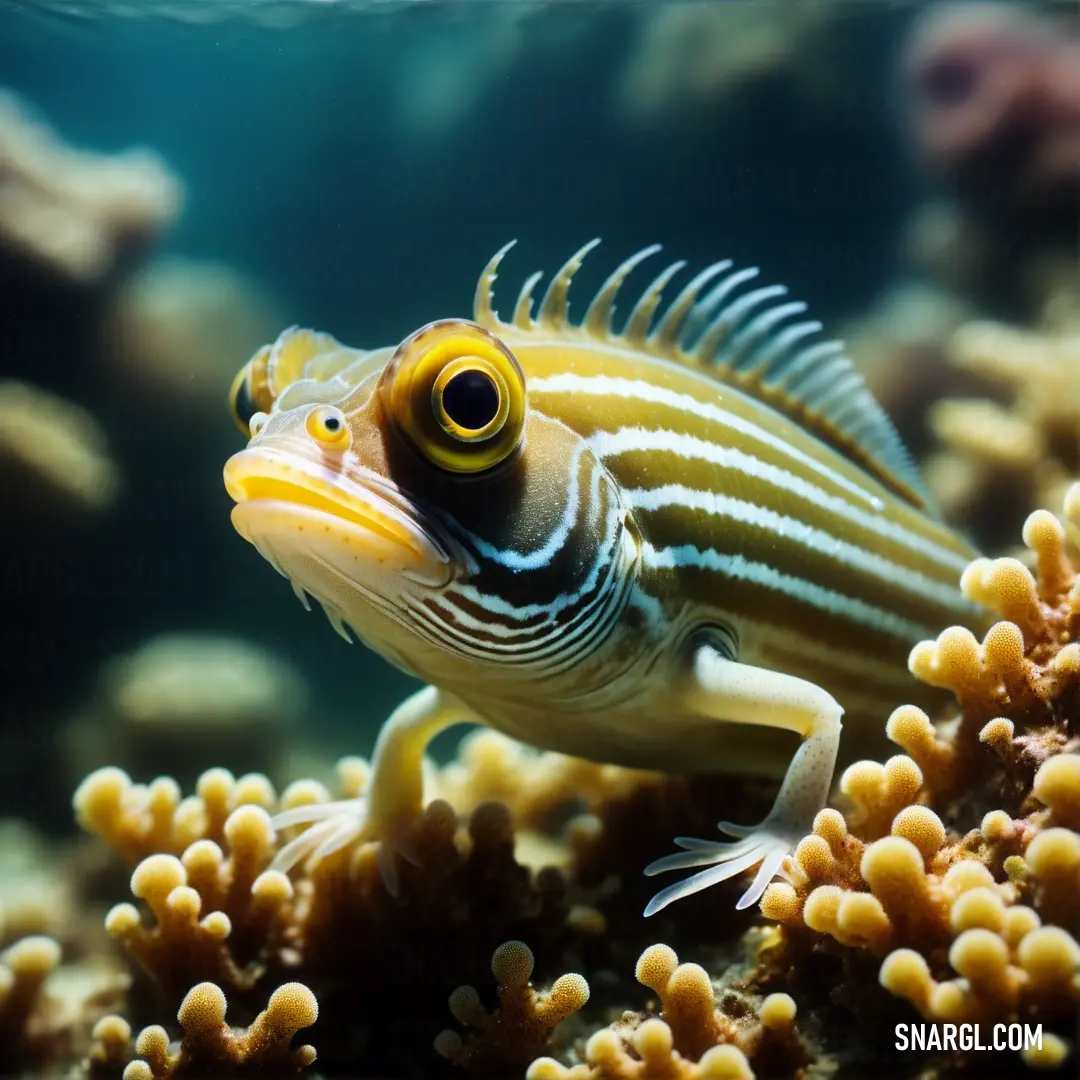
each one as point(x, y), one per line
point(739, 568)
point(747, 505)
point(609, 444)
point(495, 605)
point(790, 528)
point(646, 392)
point(539, 558)
point(756, 474)
point(553, 643)
point(744, 514)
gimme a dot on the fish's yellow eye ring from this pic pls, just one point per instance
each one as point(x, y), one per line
point(250, 393)
point(484, 378)
point(327, 426)
point(457, 394)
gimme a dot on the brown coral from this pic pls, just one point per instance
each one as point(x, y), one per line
point(209, 909)
point(973, 921)
point(210, 1047)
point(510, 1037)
point(693, 1038)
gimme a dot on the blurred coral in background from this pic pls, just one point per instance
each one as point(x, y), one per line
point(993, 107)
point(160, 944)
point(85, 314)
point(75, 214)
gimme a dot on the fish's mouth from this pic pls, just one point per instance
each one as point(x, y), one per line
point(276, 493)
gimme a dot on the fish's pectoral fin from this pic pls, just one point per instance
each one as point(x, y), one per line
point(727, 691)
point(393, 800)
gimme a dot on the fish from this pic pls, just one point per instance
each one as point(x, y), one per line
point(688, 539)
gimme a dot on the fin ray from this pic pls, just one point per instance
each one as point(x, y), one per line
point(671, 322)
point(640, 319)
point(597, 321)
point(483, 309)
point(523, 319)
point(554, 308)
point(750, 338)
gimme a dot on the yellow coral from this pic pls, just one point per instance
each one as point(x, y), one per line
point(650, 1055)
point(686, 996)
point(24, 969)
point(209, 1044)
point(110, 1046)
point(209, 908)
point(139, 820)
point(960, 919)
point(954, 875)
point(996, 977)
point(49, 446)
point(76, 213)
point(524, 1021)
point(881, 791)
point(997, 457)
point(691, 1039)
point(531, 783)
point(1057, 784)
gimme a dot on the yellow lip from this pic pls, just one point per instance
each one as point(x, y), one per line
point(254, 479)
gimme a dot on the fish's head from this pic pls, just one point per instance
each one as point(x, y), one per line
point(417, 497)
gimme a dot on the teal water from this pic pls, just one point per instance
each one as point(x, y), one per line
point(357, 164)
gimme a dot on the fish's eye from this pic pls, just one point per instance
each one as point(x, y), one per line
point(458, 395)
point(249, 393)
point(471, 399)
point(326, 425)
point(241, 407)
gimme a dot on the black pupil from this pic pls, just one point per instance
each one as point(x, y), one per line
point(332, 423)
point(471, 400)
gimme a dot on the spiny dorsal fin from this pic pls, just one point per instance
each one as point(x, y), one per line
point(745, 338)
point(554, 309)
point(636, 329)
point(483, 305)
point(667, 329)
point(597, 321)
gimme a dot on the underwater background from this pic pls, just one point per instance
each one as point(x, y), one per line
point(179, 181)
point(352, 170)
